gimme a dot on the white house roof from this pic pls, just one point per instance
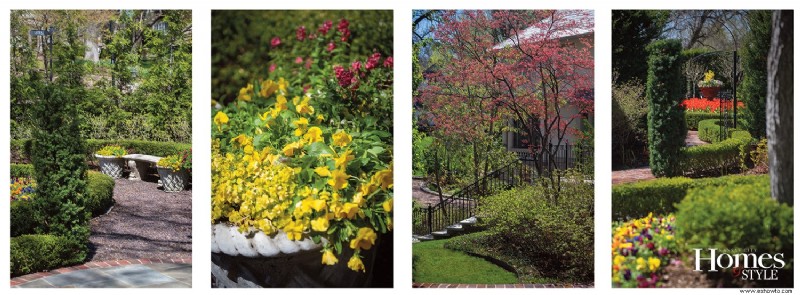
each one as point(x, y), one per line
point(559, 32)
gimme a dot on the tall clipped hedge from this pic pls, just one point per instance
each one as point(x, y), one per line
point(21, 149)
point(666, 125)
point(59, 165)
point(754, 61)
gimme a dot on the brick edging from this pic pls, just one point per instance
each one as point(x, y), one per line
point(437, 285)
point(92, 265)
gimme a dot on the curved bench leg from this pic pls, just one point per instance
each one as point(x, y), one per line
point(134, 170)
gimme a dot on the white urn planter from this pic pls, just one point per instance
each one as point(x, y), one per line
point(253, 259)
point(111, 165)
point(173, 181)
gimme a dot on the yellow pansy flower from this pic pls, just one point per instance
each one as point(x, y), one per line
point(301, 124)
point(303, 107)
point(294, 231)
point(268, 87)
point(364, 239)
point(341, 138)
point(383, 178)
point(292, 148)
point(388, 204)
point(328, 258)
point(246, 93)
point(338, 179)
point(355, 263)
point(320, 224)
point(342, 160)
point(282, 85)
point(640, 263)
point(653, 263)
point(322, 171)
point(349, 210)
point(220, 119)
point(314, 134)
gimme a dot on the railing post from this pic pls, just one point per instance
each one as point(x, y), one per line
point(430, 219)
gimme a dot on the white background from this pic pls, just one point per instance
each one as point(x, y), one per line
point(402, 113)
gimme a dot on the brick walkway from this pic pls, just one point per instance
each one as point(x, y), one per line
point(130, 273)
point(501, 286)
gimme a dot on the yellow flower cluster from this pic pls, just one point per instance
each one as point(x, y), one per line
point(299, 182)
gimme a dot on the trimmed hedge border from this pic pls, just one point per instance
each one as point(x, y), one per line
point(34, 253)
point(720, 156)
point(20, 149)
point(99, 192)
point(693, 118)
point(634, 200)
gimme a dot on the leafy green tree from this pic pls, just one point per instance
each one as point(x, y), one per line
point(632, 30)
point(754, 61)
point(666, 125)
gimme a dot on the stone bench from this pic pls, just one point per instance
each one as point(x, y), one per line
point(139, 163)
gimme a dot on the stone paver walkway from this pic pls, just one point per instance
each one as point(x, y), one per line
point(505, 286)
point(644, 173)
point(136, 273)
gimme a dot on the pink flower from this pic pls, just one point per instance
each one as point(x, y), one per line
point(325, 27)
point(345, 35)
point(301, 33)
point(343, 76)
point(298, 60)
point(389, 62)
point(355, 66)
point(331, 47)
point(272, 68)
point(275, 42)
point(343, 25)
point(373, 61)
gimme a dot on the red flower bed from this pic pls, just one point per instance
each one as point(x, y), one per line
point(708, 105)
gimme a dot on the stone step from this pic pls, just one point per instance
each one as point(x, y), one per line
point(455, 228)
point(441, 234)
point(425, 238)
point(469, 221)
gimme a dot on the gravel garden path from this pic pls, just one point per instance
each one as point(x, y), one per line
point(145, 222)
point(424, 198)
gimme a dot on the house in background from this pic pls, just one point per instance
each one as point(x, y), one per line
point(516, 141)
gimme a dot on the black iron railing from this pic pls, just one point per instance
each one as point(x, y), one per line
point(464, 203)
point(565, 156)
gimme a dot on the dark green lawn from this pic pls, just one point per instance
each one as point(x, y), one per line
point(435, 264)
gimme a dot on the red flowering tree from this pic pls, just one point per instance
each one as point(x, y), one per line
point(533, 67)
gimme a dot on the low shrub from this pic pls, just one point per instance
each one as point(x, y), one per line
point(99, 192)
point(21, 170)
point(693, 118)
point(34, 253)
point(718, 158)
point(555, 234)
point(736, 216)
point(660, 196)
point(709, 131)
point(99, 197)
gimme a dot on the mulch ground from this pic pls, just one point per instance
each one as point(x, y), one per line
point(145, 222)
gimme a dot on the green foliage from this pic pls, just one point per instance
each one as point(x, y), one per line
point(174, 162)
point(139, 89)
point(420, 143)
point(34, 253)
point(556, 236)
point(754, 62)
point(632, 31)
point(99, 193)
point(59, 164)
point(21, 170)
point(25, 217)
point(694, 118)
point(112, 150)
point(241, 48)
point(709, 130)
point(661, 195)
point(666, 127)
point(629, 110)
point(735, 216)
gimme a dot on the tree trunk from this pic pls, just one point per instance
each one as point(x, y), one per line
point(779, 107)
